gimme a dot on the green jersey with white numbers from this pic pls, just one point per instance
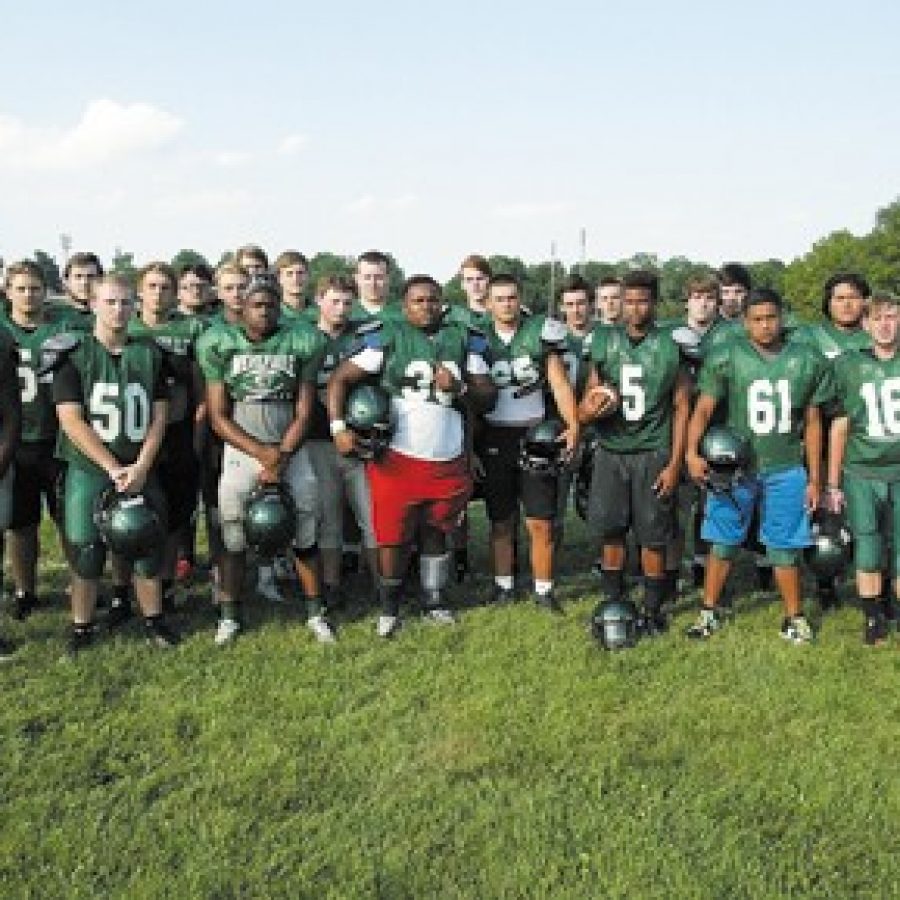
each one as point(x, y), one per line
point(263, 378)
point(518, 364)
point(645, 372)
point(336, 351)
point(829, 340)
point(116, 391)
point(767, 395)
point(428, 421)
point(38, 412)
point(309, 315)
point(867, 392)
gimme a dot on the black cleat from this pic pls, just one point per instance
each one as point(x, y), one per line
point(698, 574)
point(502, 595)
point(119, 612)
point(655, 623)
point(24, 604)
point(827, 597)
point(876, 631)
point(461, 564)
point(159, 634)
point(81, 637)
point(549, 602)
point(7, 649)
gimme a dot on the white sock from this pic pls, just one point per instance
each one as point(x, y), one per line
point(542, 587)
point(505, 582)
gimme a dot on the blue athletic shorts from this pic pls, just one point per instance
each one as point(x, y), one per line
point(783, 518)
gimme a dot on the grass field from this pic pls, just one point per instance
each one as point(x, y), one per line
point(503, 757)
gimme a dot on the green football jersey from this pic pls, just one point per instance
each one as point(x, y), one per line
point(830, 341)
point(457, 314)
point(519, 368)
point(868, 393)
point(428, 422)
point(767, 395)
point(389, 312)
point(38, 412)
point(178, 336)
point(577, 367)
point(309, 314)
point(116, 391)
point(645, 373)
point(262, 378)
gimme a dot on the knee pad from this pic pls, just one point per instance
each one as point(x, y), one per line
point(867, 552)
point(434, 571)
point(233, 538)
point(87, 560)
point(727, 552)
point(783, 558)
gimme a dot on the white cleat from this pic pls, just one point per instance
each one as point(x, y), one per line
point(319, 626)
point(439, 616)
point(387, 625)
point(226, 632)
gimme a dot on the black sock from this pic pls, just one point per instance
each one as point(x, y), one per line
point(671, 585)
point(120, 594)
point(389, 591)
point(871, 606)
point(654, 594)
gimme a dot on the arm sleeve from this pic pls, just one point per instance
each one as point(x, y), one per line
point(67, 384)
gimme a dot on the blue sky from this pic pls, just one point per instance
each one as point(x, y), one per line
point(713, 130)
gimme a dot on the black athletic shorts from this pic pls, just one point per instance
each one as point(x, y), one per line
point(211, 469)
point(506, 484)
point(622, 497)
point(37, 474)
point(178, 472)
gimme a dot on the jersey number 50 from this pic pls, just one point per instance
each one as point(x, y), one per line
point(111, 416)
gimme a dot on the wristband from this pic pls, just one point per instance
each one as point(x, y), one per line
point(337, 426)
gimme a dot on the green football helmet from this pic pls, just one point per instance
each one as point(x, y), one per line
point(832, 547)
point(367, 412)
point(128, 523)
point(616, 624)
point(270, 519)
point(728, 453)
point(541, 450)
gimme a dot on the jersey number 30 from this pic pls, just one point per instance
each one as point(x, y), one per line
point(112, 415)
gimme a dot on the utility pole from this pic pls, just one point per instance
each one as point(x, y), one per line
point(582, 237)
point(551, 302)
point(65, 241)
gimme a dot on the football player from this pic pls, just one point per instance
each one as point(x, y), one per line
point(260, 386)
point(178, 467)
point(80, 272)
point(574, 305)
point(252, 259)
point(292, 272)
point(340, 478)
point(638, 393)
point(195, 289)
point(10, 433)
point(423, 481)
point(734, 285)
point(37, 472)
point(111, 395)
point(608, 298)
point(474, 274)
point(843, 305)
point(773, 392)
point(864, 455)
point(526, 357)
point(372, 282)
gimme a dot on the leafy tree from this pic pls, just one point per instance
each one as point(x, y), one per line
point(50, 269)
point(184, 258)
point(123, 264)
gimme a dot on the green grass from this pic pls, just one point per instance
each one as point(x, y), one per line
point(504, 757)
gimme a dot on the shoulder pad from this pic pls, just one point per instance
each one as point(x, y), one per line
point(366, 336)
point(367, 327)
point(477, 341)
point(688, 342)
point(525, 311)
point(553, 331)
point(55, 349)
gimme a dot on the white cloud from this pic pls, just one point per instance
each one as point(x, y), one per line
point(107, 131)
point(206, 201)
point(404, 201)
point(292, 144)
point(361, 205)
point(530, 210)
point(230, 159)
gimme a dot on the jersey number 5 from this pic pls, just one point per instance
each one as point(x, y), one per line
point(109, 415)
point(634, 398)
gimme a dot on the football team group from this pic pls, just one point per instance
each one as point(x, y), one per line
point(299, 425)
